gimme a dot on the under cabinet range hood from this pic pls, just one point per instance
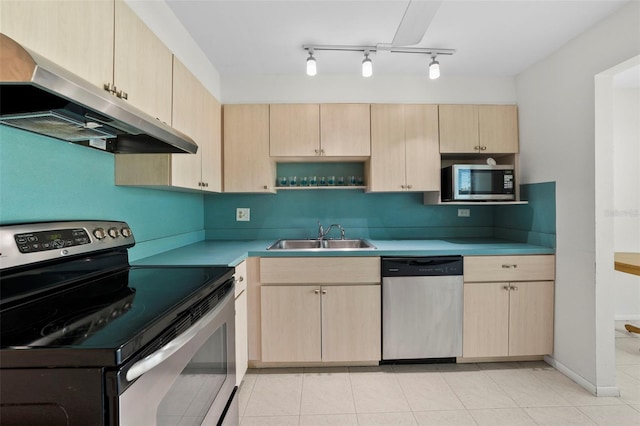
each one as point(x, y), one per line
point(41, 97)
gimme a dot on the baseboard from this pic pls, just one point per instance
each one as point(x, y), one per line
point(603, 391)
point(628, 317)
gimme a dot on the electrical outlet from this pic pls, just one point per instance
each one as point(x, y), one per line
point(243, 214)
point(464, 212)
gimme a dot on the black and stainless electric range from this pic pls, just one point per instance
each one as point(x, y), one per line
point(87, 339)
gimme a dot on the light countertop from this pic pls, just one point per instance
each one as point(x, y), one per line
point(231, 253)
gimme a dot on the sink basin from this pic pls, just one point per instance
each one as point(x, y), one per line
point(347, 244)
point(295, 245)
point(356, 244)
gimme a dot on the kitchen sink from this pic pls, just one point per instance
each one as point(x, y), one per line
point(355, 244)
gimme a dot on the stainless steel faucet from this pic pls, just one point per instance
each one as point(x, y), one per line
point(322, 233)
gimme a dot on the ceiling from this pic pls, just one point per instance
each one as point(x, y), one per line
point(491, 38)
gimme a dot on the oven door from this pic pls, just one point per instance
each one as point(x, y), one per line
point(191, 380)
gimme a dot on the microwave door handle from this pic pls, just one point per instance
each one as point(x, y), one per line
point(158, 357)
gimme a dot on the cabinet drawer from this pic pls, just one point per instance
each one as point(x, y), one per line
point(509, 268)
point(319, 270)
point(241, 278)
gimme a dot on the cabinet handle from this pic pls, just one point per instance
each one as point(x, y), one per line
point(409, 186)
point(111, 88)
point(205, 184)
point(506, 287)
point(240, 278)
point(316, 291)
point(122, 94)
point(514, 288)
point(509, 266)
point(265, 187)
point(317, 151)
point(483, 148)
point(403, 186)
point(324, 291)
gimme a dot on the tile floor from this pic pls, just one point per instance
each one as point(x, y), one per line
point(527, 393)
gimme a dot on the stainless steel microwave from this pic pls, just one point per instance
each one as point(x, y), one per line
point(478, 182)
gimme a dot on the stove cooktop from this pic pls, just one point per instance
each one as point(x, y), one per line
point(105, 320)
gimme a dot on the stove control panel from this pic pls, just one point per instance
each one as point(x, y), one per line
point(28, 243)
point(51, 240)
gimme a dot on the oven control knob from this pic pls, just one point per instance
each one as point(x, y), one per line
point(113, 232)
point(99, 233)
point(126, 232)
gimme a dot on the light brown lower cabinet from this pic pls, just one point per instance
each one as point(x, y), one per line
point(242, 353)
point(314, 323)
point(508, 319)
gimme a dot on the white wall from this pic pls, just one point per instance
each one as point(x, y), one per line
point(557, 139)
point(355, 88)
point(625, 211)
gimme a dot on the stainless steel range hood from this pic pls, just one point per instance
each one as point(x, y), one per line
point(39, 96)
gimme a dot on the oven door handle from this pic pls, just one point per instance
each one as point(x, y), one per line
point(165, 352)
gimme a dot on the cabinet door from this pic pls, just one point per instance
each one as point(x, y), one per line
point(345, 130)
point(498, 128)
point(291, 323)
point(212, 145)
point(351, 327)
point(422, 155)
point(485, 329)
point(387, 165)
point(142, 65)
point(77, 35)
point(458, 128)
point(247, 166)
point(242, 354)
point(531, 318)
point(294, 130)
point(188, 116)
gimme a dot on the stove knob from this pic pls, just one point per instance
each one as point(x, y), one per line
point(99, 233)
point(113, 232)
point(126, 232)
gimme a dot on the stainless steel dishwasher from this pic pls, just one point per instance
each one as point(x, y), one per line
point(421, 308)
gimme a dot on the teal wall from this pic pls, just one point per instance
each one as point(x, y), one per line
point(45, 179)
point(533, 223)
point(294, 214)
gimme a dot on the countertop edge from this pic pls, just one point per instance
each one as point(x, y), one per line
point(232, 253)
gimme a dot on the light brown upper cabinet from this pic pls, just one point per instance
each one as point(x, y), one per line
point(479, 129)
point(247, 165)
point(198, 114)
point(345, 130)
point(294, 130)
point(103, 41)
point(404, 148)
point(142, 65)
point(326, 130)
point(77, 35)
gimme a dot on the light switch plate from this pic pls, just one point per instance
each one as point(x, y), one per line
point(243, 214)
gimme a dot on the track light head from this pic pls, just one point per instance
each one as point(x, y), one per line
point(311, 64)
point(434, 68)
point(367, 65)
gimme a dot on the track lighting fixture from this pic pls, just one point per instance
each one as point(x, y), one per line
point(311, 64)
point(367, 65)
point(434, 68)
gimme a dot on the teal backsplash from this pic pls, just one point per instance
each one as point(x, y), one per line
point(533, 223)
point(44, 179)
point(294, 214)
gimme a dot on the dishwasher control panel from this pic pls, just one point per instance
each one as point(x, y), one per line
point(421, 266)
